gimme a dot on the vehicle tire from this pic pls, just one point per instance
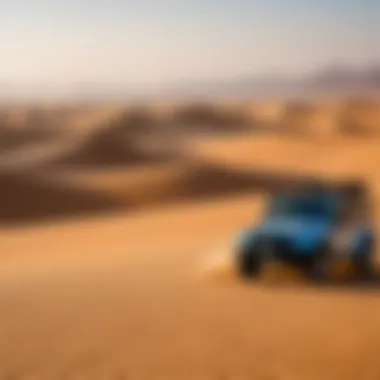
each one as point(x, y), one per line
point(364, 267)
point(320, 269)
point(249, 264)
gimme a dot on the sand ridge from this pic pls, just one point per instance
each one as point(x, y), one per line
point(102, 237)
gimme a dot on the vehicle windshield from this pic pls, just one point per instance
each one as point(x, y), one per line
point(304, 205)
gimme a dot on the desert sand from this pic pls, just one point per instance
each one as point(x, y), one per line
point(103, 243)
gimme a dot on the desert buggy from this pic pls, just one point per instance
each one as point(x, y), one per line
point(316, 227)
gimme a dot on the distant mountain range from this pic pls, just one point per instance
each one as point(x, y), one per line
point(330, 79)
point(334, 79)
point(336, 76)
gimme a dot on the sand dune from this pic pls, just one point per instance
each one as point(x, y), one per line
point(210, 118)
point(74, 193)
point(11, 139)
point(336, 157)
point(103, 234)
point(107, 147)
point(12, 136)
point(360, 118)
point(26, 197)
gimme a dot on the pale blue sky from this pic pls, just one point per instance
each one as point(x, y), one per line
point(162, 41)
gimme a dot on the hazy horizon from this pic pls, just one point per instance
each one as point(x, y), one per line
point(153, 43)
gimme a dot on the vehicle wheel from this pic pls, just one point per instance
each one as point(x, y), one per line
point(364, 267)
point(321, 266)
point(363, 262)
point(249, 264)
point(252, 262)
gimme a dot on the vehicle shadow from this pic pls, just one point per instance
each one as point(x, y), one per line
point(368, 286)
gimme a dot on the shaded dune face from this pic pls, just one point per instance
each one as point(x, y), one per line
point(200, 182)
point(119, 142)
point(32, 199)
point(360, 117)
point(193, 118)
point(27, 198)
point(138, 120)
point(10, 139)
point(30, 131)
point(109, 147)
point(209, 118)
point(308, 119)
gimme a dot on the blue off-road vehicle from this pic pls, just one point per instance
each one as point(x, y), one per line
point(314, 227)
